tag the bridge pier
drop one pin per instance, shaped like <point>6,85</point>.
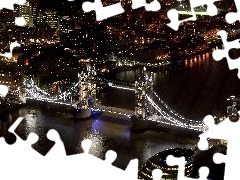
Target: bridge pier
<point>143,87</point>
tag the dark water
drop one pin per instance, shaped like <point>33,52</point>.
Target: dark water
<point>106,133</point>
<point>194,93</point>
<point>197,91</point>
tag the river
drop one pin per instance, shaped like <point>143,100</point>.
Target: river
<point>201,89</point>
<point>193,93</point>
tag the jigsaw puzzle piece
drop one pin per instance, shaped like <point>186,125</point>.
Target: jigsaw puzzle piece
<point>203,142</point>
<point>6,127</point>
<point>6,121</point>
<point>24,160</point>
<point>129,173</point>
<point>173,14</point>
<point>43,145</point>
<point>101,11</point>
<point>181,162</point>
<point>103,169</point>
<point>157,174</point>
<point>203,173</point>
<point>47,136</point>
<point>233,144</point>
<point>216,131</point>
<point>232,17</point>
<point>9,137</point>
<point>20,21</point>
<point>219,54</point>
<point>10,4</point>
<point>153,6</point>
<point>12,46</point>
<point>58,149</point>
<point>3,90</point>
<point>231,170</point>
<point>14,155</point>
<point>230,159</point>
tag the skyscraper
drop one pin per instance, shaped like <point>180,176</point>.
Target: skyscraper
<point>51,18</point>
<point>28,11</point>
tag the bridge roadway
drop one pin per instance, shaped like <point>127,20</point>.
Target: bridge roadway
<point>114,110</point>
<point>123,117</point>
<point>68,105</point>
<point>165,115</point>
<point>169,116</point>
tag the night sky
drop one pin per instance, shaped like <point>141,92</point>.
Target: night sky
<point>60,5</point>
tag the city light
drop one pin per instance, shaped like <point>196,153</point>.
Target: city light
<point>164,117</point>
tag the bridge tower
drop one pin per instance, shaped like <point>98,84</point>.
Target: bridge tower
<point>87,92</point>
<point>143,87</point>
<point>22,94</point>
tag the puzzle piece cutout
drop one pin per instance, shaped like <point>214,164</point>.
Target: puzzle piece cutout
<point>102,168</point>
<point>3,90</point>
<point>157,174</point>
<point>12,46</point>
<point>232,17</point>
<point>44,144</point>
<point>111,155</point>
<point>219,54</point>
<point>233,146</point>
<point>5,122</point>
<point>19,21</point>
<point>56,164</point>
<point>103,12</point>
<point>20,155</point>
<point>152,6</point>
<point>180,162</point>
<point>116,9</point>
<point>173,14</point>
<point>10,4</point>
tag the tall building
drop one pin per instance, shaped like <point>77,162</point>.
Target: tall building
<point>51,18</point>
<point>6,19</point>
<point>28,11</point>
<point>6,78</point>
<point>66,24</point>
<point>40,16</point>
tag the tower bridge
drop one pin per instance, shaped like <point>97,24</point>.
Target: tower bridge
<point>148,105</point>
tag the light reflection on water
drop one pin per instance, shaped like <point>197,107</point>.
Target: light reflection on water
<point>104,134</point>
<point>192,93</point>
<point>200,89</point>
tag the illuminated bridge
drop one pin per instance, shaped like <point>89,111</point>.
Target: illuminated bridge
<point>148,105</point>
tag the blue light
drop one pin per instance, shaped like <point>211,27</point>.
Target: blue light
<point>90,101</point>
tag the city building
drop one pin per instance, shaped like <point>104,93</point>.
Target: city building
<point>122,59</point>
<point>125,60</point>
<point>40,17</point>
<point>28,11</point>
<point>51,18</point>
<point>158,161</point>
<point>6,19</point>
<point>66,24</point>
<point>7,78</point>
